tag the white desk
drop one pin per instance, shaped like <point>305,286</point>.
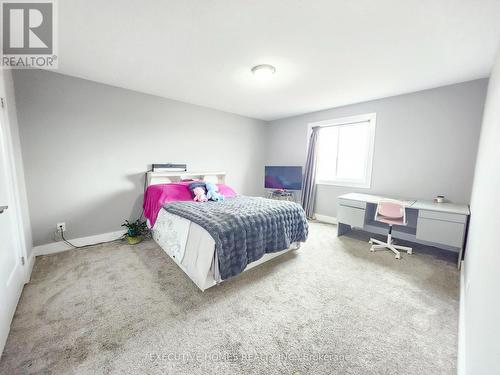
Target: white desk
<point>443,225</point>
<point>370,198</point>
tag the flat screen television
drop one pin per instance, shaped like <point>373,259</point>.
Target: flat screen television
<point>287,178</point>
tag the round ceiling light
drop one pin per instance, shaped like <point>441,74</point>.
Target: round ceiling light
<point>263,71</point>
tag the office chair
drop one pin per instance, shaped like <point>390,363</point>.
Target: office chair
<point>392,213</point>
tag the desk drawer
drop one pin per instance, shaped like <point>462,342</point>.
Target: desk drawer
<point>353,216</point>
<point>446,216</point>
<point>352,203</point>
<point>440,231</point>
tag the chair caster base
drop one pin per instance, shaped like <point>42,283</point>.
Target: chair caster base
<point>389,245</point>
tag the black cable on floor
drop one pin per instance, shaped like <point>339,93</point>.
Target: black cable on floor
<point>80,247</point>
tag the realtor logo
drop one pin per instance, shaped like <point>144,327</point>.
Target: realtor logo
<point>28,34</point>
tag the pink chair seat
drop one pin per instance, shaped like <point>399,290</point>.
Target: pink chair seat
<point>392,213</point>
<point>390,221</point>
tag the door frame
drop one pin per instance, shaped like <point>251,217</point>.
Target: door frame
<point>16,214</point>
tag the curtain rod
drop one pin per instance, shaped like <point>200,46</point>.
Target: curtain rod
<point>343,123</point>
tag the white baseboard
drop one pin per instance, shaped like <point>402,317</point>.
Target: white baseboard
<point>57,247</point>
<point>326,219</point>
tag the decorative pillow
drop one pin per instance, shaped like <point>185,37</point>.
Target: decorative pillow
<point>226,191</point>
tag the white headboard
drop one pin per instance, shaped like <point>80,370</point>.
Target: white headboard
<point>155,178</point>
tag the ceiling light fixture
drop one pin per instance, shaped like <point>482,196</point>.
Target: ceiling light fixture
<point>263,71</point>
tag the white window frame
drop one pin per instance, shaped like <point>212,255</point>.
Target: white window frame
<point>346,121</point>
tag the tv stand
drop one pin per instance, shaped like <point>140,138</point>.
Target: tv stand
<point>282,195</point>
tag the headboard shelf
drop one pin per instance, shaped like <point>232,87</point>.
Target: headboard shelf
<point>156,178</point>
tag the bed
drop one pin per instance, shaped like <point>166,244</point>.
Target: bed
<point>214,241</point>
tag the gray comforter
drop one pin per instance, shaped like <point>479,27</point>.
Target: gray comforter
<point>245,228</point>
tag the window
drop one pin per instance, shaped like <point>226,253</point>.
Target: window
<point>345,151</point>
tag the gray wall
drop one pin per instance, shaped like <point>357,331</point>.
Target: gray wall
<point>425,143</point>
<point>87,145</point>
<point>479,351</point>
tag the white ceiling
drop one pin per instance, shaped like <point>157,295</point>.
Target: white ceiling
<point>327,52</point>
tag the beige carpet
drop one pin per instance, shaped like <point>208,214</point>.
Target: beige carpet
<point>330,307</point>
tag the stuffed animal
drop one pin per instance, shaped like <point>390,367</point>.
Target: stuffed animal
<point>213,192</point>
<point>199,194</point>
<point>198,190</point>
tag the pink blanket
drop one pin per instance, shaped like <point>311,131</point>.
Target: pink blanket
<point>157,195</point>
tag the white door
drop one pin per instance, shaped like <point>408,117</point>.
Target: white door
<point>11,267</point>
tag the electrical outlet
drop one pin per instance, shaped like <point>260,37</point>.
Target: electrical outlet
<point>61,227</point>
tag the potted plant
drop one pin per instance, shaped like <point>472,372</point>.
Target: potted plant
<point>135,231</point>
